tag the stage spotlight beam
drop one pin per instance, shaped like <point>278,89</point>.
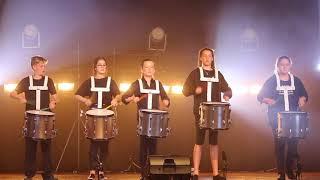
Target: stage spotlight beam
<point>176,89</point>
<point>124,87</point>
<point>66,86</point>
<point>9,87</point>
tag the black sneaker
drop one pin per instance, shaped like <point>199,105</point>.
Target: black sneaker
<point>218,177</point>
<point>49,177</point>
<point>91,177</point>
<point>101,176</point>
<point>195,177</point>
<point>291,175</point>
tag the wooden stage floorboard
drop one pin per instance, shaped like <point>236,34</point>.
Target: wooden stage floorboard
<point>134,176</point>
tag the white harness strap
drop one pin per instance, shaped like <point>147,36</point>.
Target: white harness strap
<point>150,92</point>
<point>100,90</point>
<point>209,81</point>
<point>38,90</point>
<point>285,90</point>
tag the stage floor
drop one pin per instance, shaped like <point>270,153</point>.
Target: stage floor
<point>134,176</point>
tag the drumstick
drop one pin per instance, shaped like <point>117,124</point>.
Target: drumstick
<point>44,109</point>
<point>108,106</point>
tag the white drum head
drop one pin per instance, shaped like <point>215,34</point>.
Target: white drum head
<point>292,112</point>
<point>216,103</point>
<point>100,112</point>
<point>39,112</point>
<point>153,111</point>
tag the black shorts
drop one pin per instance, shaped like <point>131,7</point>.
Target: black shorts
<point>201,133</point>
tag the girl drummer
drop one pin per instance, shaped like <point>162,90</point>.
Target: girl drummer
<point>98,92</point>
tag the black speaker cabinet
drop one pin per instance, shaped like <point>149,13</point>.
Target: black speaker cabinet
<point>169,167</point>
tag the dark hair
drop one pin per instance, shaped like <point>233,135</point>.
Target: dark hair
<point>200,53</point>
<point>37,59</point>
<point>145,60</point>
<point>279,59</point>
<point>95,62</point>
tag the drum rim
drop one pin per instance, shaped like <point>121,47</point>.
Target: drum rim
<point>153,111</point>
<point>39,112</point>
<point>92,110</point>
<point>292,112</point>
<point>215,103</point>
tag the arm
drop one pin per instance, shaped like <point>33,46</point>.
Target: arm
<point>303,95</point>
<point>265,94</point>
<point>18,93</point>
<point>131,94</point>
<point>189,86</point>
<point>84,100</point>
<point>82,92</point>
<point>226,90</point>
<point>53,94</point>
<point>14,94</point>
<point>115,93</point>
<point>164,97</point>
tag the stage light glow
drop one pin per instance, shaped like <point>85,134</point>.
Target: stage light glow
<point>124,87</point>
<point>66,86</point>
<point>166,88</point>
<point>9,87</point>
<point>176,89</point>
<point>318,67</point>
<point>157,34</point>
<point>254,89</point>
<point>240,89</point>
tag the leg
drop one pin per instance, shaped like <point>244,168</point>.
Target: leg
<point>214,155</point>
<point>214,151</point>
<point>197,149</point>
<point>103,150</point>
<point>143,154</point>
<point>93,156</point>
<point>47,160</point>
<point>292,155</point>
<point>30,157</point>
<point>280,144</point>
<point>152,146</point>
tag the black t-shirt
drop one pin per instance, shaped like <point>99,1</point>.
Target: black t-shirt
<point>193,81</point>
<point>30,95</point>
<point>85,91</point>
<point>143,103</point>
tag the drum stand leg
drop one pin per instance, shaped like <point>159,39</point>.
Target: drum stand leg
<point>65,146</point>
<point>132,166</point>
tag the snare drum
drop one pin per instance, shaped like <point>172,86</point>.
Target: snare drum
<point>214,115</point>
<point>39,125</point>
<point>292,124</point>
<point>100,124</point>
<point>153,123</point>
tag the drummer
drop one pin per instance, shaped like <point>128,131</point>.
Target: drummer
<point>283,92</point>
<point>37,92</point>
<point>99,91</point>
<point>148,93</point>
<point>206,84</point>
